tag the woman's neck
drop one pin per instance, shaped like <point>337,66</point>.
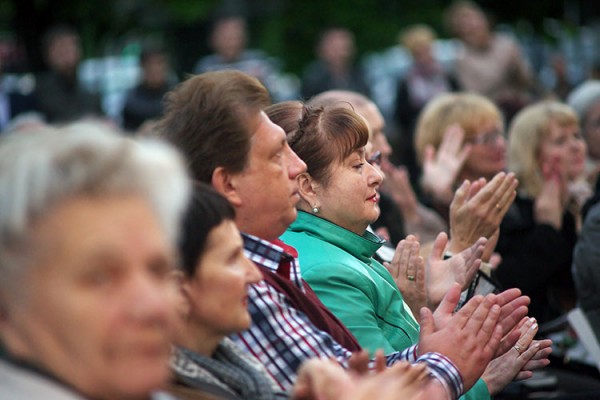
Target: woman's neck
<point>198,339</point>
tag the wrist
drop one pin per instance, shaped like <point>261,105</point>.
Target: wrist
<point>446,372</point>
<point>489,382</point>
<point>455,246</point>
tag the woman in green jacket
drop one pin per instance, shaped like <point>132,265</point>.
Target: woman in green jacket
<point>339,199</point>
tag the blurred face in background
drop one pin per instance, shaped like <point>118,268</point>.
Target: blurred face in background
<point>488,152</point>
<point>99,304</point>
<point>564,144</point>
<point>591,131</point>
<point>471,26</point>
<point>229,38</point>
<point>378,149</point>
<point>156,70</point>
<point>64,54</point>
<point>337,48</point>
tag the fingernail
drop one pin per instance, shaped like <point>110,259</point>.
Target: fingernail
<point>533,327</point>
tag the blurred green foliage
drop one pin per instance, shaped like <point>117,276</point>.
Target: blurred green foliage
<point>294,31</point>
<point>284,28</point>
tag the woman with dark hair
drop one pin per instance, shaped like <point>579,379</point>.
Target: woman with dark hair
<point>214,286</point>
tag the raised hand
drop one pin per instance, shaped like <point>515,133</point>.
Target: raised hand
<point>470,337</point>
<point>513,308</point>
<point>539,359</point>
<point>478,209</point>
<point>503,369</point>
<point>549,203</point>
<point>408,271</point>
<point>441,169</point>
<point>460,268</point>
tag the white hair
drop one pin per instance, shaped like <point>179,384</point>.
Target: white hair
<point>583,97</point>
<point>39,169</point>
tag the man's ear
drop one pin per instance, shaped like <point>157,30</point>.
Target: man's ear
<point>224,183</point>
<point>307,188</point>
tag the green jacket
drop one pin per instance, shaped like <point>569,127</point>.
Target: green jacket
<point>339,267</point>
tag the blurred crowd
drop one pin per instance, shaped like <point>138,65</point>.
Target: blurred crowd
<point>543,69</point>
<point>239,233</point>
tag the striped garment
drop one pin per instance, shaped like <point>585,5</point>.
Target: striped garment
<point>282,337</point>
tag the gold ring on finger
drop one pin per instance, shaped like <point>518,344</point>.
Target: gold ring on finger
<point>518,348</point>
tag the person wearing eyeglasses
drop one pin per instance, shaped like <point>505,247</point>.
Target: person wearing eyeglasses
<point>458,137</point>
<point>459,142</point>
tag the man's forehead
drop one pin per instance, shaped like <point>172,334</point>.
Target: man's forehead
<point>264,134</point>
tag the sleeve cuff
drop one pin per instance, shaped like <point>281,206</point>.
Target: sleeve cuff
<point>444,370</point>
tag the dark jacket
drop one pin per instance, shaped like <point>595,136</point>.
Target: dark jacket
<point>536,258</point>
<point>142,104</point>
<point>62,100</point>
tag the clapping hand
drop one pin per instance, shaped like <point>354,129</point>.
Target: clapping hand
<point>441,168</point>
<point>549,203</point>
<point>460,268</point>
<point>408,271</point>
<point>478,209</point>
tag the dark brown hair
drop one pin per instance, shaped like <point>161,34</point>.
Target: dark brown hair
<point>209,117</point>
<point>320,136</point>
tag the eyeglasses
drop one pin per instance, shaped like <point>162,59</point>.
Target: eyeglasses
<point>486,138</point>
<point>375,159</point>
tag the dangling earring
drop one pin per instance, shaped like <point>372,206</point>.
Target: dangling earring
<point>315,210</point>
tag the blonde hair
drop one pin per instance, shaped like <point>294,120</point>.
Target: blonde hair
<point>470,111</point>
<point>415,36</point>
<point>528,130</point>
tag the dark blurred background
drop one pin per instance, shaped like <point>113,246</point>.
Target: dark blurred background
<point>113,33</point>
<point>283,28</point>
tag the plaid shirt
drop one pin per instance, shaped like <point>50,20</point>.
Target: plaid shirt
<point>282,337</point>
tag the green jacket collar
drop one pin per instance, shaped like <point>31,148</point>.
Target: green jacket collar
<point>362,247</point>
